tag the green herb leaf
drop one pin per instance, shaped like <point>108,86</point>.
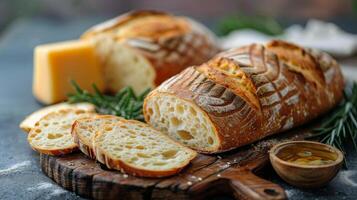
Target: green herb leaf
<point>124,104</point>
<point>262,24</point>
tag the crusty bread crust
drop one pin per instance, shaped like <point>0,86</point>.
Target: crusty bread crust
<point>103,157</point>
<point>158,29</point>
<point>169,43</point>
<point>68,150</point>
<point>85,145</point>
<point>288,87</point>
<point>132,170</point>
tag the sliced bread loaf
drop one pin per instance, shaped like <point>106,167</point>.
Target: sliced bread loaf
<point>83,131</point>
<point>135,148</point>
<point>52,134</point>
<point>143,48</point>
<point>29,122</point>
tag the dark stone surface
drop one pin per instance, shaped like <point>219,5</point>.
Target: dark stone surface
<point>20,175</point>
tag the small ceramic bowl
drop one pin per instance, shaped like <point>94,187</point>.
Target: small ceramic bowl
<point>306,176</point>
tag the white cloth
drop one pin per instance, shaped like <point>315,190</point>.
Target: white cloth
<point>316,34</point>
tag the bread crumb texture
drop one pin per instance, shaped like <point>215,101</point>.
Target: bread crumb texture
<point>142,148</point>
<point>84,130</point>
<point>52,134</point>
<point>181,120</point>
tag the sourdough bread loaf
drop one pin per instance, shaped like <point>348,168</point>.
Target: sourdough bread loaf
<point>137,149</point>
<point>245,94</point>
<point>144,48</point>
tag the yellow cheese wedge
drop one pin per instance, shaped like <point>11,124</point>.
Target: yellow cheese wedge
<point>55,65</point>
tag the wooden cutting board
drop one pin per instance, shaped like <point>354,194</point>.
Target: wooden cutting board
<point>231,173</point>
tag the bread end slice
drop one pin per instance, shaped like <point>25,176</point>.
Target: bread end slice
<point>52,134</point>
<point>137,149</point>
<point>84,129</point>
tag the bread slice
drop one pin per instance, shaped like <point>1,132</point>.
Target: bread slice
<point>52,134</point>
<point>29,122</point>
<point>135,148</point>
<point>83,131</point>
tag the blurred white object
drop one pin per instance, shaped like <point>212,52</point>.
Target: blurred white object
<point>349,72</point>
<point>243,37</point>
<point>317,34</point>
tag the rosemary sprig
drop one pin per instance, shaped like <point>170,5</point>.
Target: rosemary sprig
<point>124,104</point>
<point>262,24</point>
<point>341,126</point>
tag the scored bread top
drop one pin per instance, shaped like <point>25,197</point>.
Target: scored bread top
<point>153,24</point>
<point>52,134</point>
<point>84,130</point>
<point>136,148</point>
<point>257,90</point>
<point>29,122</point>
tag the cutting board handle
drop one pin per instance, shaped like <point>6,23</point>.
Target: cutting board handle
<point>246,185</point>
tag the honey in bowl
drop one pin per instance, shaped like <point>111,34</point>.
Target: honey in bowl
<point>306,164</point>
<point>304,154</point>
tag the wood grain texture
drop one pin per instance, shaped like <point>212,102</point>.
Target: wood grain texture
<point>231,173</point>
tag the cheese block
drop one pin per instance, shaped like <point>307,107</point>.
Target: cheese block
<point>55,65</point>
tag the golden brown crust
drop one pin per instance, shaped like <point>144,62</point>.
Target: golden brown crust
<point>287,98</point>
<point>225,72</point>
<point>299,60</point>
<point>124,168</point>
<point>154,24</point>
<point>168,42</point>
<point>56,152</point>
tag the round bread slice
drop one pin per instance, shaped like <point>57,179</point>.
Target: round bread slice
<point>52,134</point>
<point>83,131</point>
<point>29,122</point>
<point>137,149</point>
